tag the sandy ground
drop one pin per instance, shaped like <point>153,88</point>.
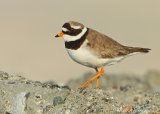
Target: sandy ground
<point>123,93</point>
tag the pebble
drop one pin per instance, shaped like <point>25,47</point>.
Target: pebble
<point>57,100</point>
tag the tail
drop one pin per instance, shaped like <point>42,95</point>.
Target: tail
<point>137,49</point>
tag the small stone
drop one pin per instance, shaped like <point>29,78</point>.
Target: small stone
<point>57,100</point>
<point>98,110</point>
<point>66,87</point>
<point>11,82</point>
<point>147,101</point>
<point>127,109</point>
<point>136,112</point>
<point>47,108</point>
<point>50,84</point>
<point>135,99</point>
<point>106,99</point>
<point>38,96</point>
<point>124,88</point>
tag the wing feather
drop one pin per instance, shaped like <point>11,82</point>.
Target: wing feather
<point>104,46</point>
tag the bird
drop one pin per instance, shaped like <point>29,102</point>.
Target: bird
<point>93,49</point>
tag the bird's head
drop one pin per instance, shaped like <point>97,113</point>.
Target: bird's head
<point>72,31</point>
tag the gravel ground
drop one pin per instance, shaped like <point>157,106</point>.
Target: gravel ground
<point>121,93</point>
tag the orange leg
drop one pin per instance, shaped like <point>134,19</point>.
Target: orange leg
<point>97,83</point>
<point>96,77</point>
<point>97,80</point>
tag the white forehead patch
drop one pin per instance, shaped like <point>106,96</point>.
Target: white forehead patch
<point>64,29</point>
<point>76,27</point>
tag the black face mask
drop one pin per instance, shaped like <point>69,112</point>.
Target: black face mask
<point>71,31</point>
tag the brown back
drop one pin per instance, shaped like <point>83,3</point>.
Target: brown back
<point>104,46</point>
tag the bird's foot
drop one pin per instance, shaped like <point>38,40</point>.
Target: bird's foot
<point>96,77</point>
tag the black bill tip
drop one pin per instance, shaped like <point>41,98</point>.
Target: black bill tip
<point>57,35</point>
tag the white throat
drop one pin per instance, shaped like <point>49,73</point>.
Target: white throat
<point>73,38</point>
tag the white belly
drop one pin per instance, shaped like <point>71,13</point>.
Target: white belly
<point>85,57</point>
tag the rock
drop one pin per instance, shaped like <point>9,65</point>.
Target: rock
<point>19,103</point>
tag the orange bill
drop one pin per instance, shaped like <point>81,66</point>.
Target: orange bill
<point>59,34</point>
